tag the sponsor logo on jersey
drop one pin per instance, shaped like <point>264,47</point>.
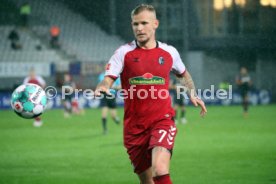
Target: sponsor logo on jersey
<point>147,79</point>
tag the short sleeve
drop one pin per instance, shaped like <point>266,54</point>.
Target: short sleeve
<point>41,81</point>
<point>26,80</point>
<point>114,66</point>
<point>178,66</point>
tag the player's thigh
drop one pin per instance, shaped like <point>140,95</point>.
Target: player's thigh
<point>160,161</point>
<point>104,111</point>
<point>244,95</point>
<point>162,143</point>
<point>113,112</point>
<point>138,150</point>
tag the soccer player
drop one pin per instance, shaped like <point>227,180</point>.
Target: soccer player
<point>38,80</point>
<point>109,102</point>
<point>244,83</point>
<point>77,107</point>
<point>144,66</point>
<point>178,101</point>
<point>67,101</point>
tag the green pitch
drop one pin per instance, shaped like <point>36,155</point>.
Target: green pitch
<point>222,148</point>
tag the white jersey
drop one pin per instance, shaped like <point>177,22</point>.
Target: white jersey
<point>35,80</point>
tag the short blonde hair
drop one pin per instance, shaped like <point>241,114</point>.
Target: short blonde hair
<point>142,7</point>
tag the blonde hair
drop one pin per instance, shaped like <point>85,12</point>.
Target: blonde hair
<point>142,7</point>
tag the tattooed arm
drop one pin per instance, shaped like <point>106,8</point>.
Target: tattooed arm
<point>187,81</point>
<point>104,86</point>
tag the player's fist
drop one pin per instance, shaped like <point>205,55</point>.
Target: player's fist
<point>104,87</point>
<point>102,90</point>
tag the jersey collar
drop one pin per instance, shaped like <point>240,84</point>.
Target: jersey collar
<point>157,44</point>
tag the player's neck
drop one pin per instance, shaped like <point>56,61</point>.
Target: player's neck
<point>148,45</point>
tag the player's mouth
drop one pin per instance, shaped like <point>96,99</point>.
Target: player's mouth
<point>141,34</point>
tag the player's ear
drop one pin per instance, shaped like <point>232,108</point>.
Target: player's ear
<point>156,23</point>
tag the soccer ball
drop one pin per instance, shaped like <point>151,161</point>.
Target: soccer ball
<point>28,100</point>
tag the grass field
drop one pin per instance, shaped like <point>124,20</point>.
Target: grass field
<point>222,148</point>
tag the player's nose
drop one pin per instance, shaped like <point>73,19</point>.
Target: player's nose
<point>139,27</point>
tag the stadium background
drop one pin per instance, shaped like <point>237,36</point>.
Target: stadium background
<point>214,37</point>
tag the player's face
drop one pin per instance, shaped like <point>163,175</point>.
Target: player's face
<point>67,78</point>
<point>243,71</point>
<point>32,74</point>
<point>144,25</point>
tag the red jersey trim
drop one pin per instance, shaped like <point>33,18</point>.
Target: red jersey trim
<point>112,76</point>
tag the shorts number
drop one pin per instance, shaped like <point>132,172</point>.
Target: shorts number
<point>163,132</point>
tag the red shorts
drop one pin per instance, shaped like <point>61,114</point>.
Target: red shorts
<point>139,146</point>
<point>75,103</point>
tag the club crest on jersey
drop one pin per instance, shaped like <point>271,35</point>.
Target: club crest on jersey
<point>147,79</point>
<point>161,60</point>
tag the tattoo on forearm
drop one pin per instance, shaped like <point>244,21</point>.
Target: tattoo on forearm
<point>104,83</point>
<point>188,82</point>
<point>159,148</point>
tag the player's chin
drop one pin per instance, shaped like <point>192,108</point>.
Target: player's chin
<point>141,39</point>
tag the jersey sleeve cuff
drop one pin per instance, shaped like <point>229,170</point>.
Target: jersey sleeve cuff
<point>112,76</point>
<point>181,74</point>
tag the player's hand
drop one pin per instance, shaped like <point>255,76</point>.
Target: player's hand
<point>197,101</point>
<point>102,90</point>
<point>104,87</point>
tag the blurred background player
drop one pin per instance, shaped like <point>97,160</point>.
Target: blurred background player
<point>244,83</point>
<point>178,101</point>
<point>77,107</point>
<point>14,38</point>
<point>109,102</point>
<point>67,101</point>
<point>38,80</point>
